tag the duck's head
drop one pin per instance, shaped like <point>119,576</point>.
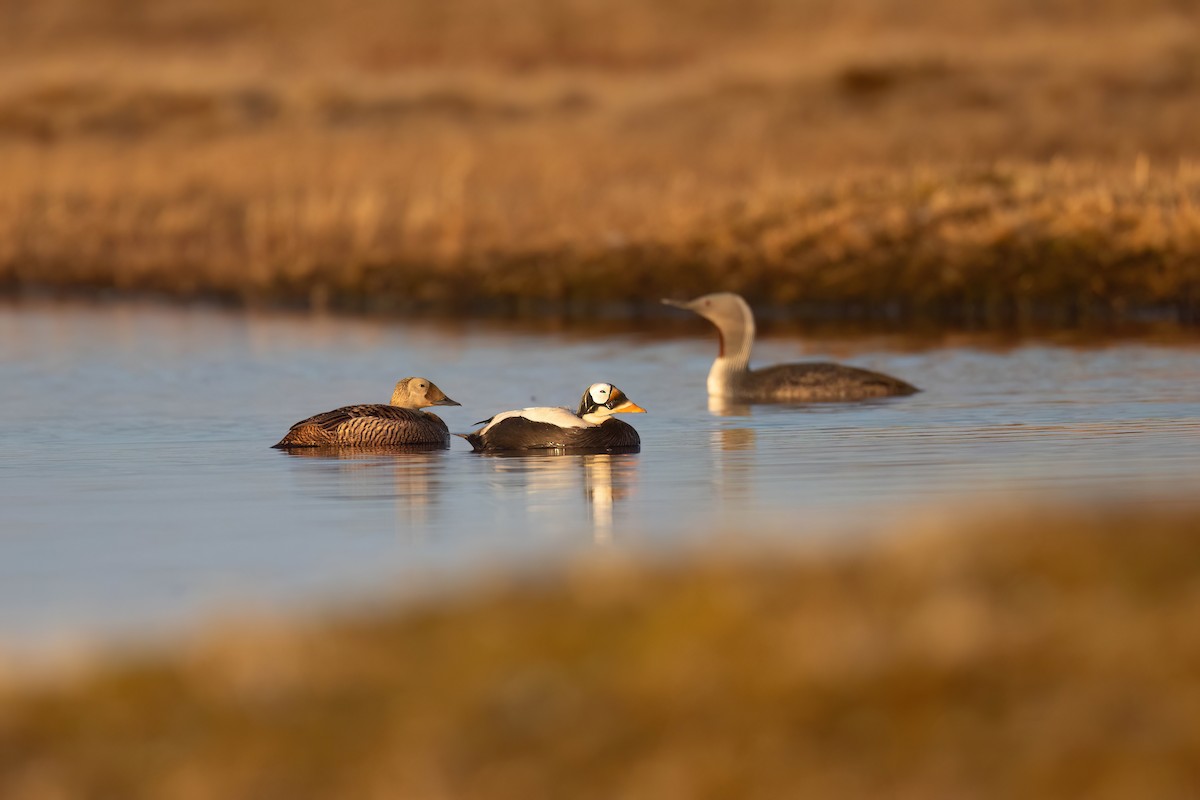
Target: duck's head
<point>728,311</point>
<point>419,393</point>
<point>602,400</point>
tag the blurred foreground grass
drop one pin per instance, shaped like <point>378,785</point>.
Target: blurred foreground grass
<point>1032,656</point>
<point>987,162</point>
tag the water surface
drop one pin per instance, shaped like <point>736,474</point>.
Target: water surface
<point>138,490</point>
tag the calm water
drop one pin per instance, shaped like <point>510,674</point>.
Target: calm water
<point>138,490</point>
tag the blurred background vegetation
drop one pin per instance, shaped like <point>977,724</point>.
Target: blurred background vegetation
<point>989,163</point>
<point>1030,655</point>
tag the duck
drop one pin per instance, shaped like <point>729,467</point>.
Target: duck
<point>731,379</point>
<point>591,428</point>
<point>400,422</point>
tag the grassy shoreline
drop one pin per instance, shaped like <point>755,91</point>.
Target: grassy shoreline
<point>925,163</point>
<point>1036,654</point>
<point>999,248</point>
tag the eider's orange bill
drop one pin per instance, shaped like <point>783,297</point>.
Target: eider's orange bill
<point>629,407</point>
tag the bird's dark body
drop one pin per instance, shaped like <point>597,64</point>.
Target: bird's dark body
<point>816,382</point>
<point>518,433</point>
<point>368,425</point>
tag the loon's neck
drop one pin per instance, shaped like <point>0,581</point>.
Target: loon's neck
<point>733,360</point>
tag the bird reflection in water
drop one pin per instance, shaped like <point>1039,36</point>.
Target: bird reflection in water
<point>733,455</point>
<point>409,475</point>
<point>547,478</point>
<point>723,407</point>
<point>605,481</point>
<point>732,477</point>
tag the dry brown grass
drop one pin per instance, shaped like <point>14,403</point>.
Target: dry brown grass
<point>1033,656</point>
<point>984,161</point>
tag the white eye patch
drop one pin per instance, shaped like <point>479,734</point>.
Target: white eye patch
<point>599,393</point>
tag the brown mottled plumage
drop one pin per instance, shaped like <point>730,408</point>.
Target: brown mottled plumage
<point>377,425</point>
<point>592,428</point>
<point>732,379</point>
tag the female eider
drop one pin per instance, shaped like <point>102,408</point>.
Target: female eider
<point>377,425</point>
<point>592,428</point>
<point>732,379</point>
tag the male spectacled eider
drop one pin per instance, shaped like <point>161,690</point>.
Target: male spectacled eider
<point>591,428</point>
<point>732,379</point>
<point>378,425</point>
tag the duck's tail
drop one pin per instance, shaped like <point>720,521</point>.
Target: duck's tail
<point>475,440</point>
<point>295,438</point>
